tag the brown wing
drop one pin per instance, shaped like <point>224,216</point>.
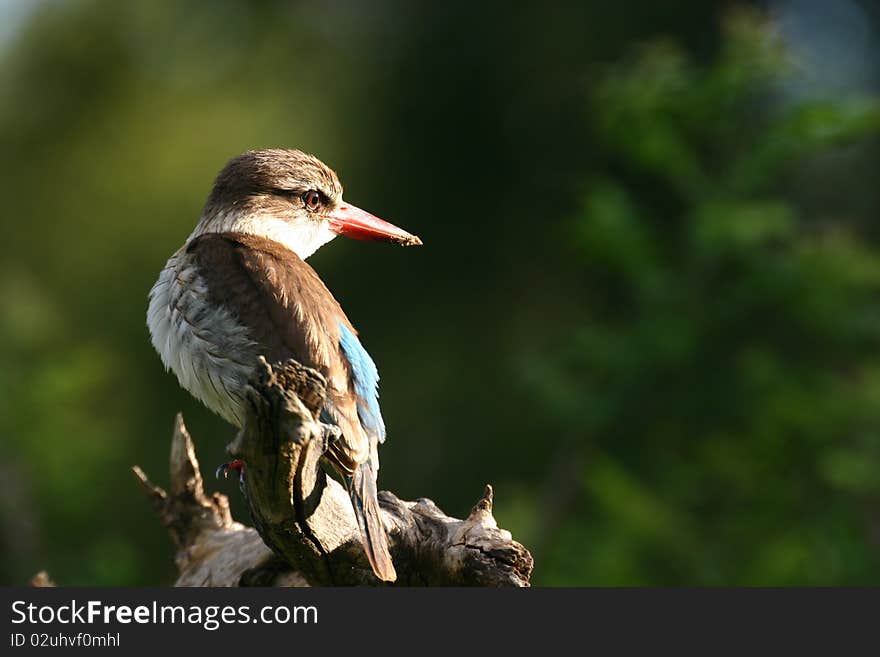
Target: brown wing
<point>290,313</point>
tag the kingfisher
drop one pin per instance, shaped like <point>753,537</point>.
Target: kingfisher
<point>240,288</point>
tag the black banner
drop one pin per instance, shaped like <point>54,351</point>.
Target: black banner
<point>388,621</point>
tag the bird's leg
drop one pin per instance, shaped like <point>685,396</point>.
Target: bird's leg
<point>235,464</point>
<point>330,433</point>
<point>233,449</point>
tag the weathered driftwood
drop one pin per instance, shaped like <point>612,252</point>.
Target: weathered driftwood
<point>41,580</point>
<point>305,516</point>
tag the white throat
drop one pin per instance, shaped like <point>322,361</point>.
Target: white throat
<point>302,239</point>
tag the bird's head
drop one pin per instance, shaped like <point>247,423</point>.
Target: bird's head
<point>292,198</point>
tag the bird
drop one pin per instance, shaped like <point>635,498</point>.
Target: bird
<point>240,288</point>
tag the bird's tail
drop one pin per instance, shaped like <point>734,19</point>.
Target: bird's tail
<point>362,488</point>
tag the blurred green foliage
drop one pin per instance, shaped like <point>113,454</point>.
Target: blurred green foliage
<point>724,361</point>
<point>646,308</point>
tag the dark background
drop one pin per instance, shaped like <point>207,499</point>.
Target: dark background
<point>646,310</point>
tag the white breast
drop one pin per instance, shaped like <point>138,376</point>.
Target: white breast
<point>205,346</point>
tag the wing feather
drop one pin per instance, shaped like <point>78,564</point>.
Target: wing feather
<point>290,313</point>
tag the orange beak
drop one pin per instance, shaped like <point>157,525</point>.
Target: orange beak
<point>350,221</point>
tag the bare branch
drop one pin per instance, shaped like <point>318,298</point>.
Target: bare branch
<point>305,516</point>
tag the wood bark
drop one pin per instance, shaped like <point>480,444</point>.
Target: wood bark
<point>304,530</point>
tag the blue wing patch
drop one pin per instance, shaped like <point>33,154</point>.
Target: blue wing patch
<point>366,382</point>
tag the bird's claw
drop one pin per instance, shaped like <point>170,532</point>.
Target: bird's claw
<point>224,468</point>
<point>331,433</point>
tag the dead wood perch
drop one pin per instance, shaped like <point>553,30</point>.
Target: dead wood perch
<point>305,516</point>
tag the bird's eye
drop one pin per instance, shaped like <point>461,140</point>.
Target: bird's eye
<point>312,200</point>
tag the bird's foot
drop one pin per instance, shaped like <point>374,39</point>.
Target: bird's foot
<point>224,468</point>
<point>330,433</point>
